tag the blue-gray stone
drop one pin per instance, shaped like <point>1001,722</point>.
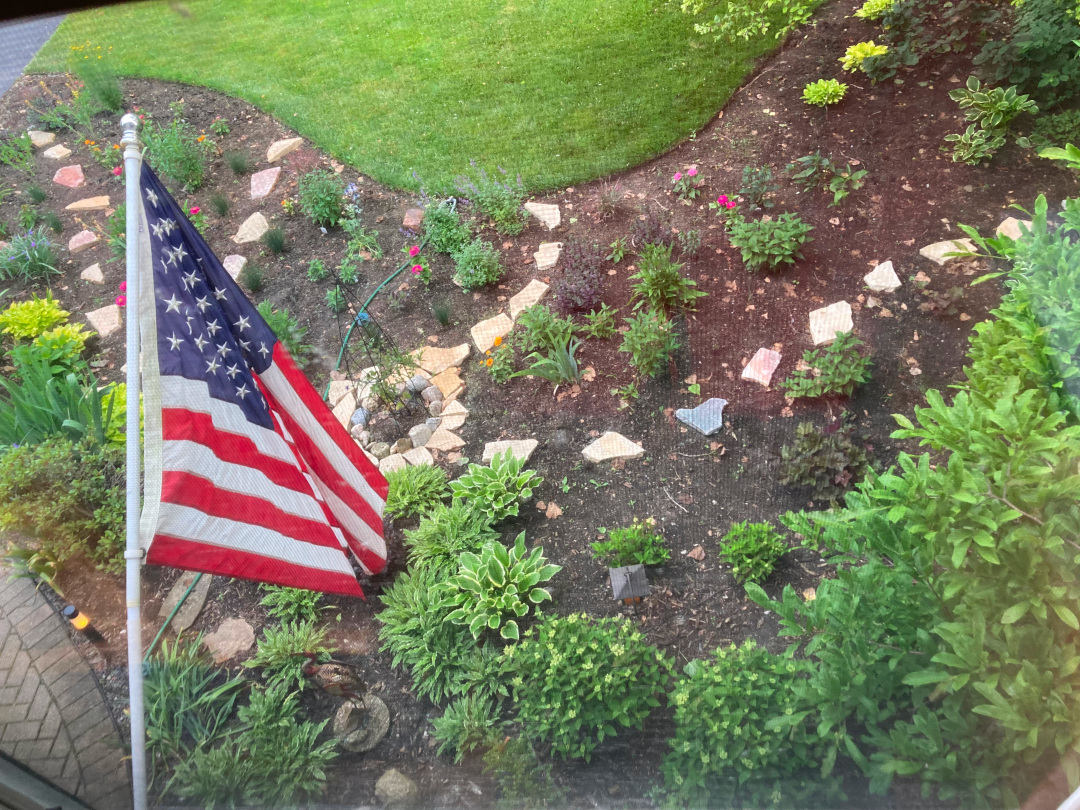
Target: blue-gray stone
<point>707,418</point>
<point>433,422</point>
<point>416,384</point>
<point>360,416</point>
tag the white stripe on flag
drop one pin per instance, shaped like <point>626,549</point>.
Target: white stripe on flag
<point>350,521</point>
<point>151,384</point>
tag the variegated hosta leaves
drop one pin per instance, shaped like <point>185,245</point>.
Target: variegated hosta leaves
<point>498,489</point>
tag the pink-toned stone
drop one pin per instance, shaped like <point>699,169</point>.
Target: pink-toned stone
<point>234,263</point>
<point>762,366</point>
<point>262,183</point>
<point>414,218</point>
<point>106,320</point>
<point>81,241</point>
<point>70,176</point>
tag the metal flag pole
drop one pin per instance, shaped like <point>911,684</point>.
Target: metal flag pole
<point>133,553</point>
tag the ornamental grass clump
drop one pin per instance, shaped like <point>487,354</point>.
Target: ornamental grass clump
<point>415,490</point>
<point>444,533</point>
<point>577,680</point>
<point>468,723</point>
<point>28,257</point>
<point>282,652</point>
<point>837,369</point>
<point>498,489</point>
<point>494,588</point>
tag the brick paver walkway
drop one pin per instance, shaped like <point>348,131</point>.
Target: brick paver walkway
<point>53,718</point>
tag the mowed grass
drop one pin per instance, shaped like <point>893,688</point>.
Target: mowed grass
<point>560,91</point>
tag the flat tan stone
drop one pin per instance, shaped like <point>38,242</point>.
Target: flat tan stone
<point>519,448</point>
<point>89,204</point>
<point>262,183</point>
<point>58,152</point>
<point>444,441</point>
<point>1010,227</point>
<point>762,366</point>
<point>233,264</point>
<point>93,274</point>
<point>454,416</point>
<point>233,637</point>
<point>612,446</point>
<point>39,138</point>
<point>547,256</point>
<point>252,229</point>
<point>548,214</point>
<point>418,457</point>
<point>106,320</point>
<point>485,332</point>
<point>434,360</point>
<point>344,409</point>
<point>882,278</point>
<point>338,389</point>
<point>534,291</point>
<point>279,149</point>
<point>827,321</point>
<point>393,463</point>
<point>449,382</point>
<point>936,252</point>
<point>82,241</point>
<point>70,176</point>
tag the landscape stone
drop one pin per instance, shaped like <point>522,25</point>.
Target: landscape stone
<point>343,411</point>
<point>706,418</point>
<point>58,152</point>
<point>449,382</point>
<point>431,395</point>
<point>417,383</point>
<point>444,441</point>
<point>401,446</point>
<point>612,446</point>
<point>396,789</point>
<point>234,263</point>
<point>1010,227</point>
<point>419,457</point>
<point>359,728</point>
<point>338,389</point>
<point>81,241</point>
<point>93,274</point>
<point>519,448</point>
<point>279,149</point>
<point>39,138</point>
<point>936,252</point>
<point>106,320</point>
<point>435,407</point>
<point>70,176</point>
<point>420,435</point>
<point>262,183</point>
<point>531,295</point>
<point>89,204</point>
<point>827,321</point>
<point>548,255</point>
<point>761,366</point>
<point>252,229</point>
<point>186,616</point>
<point>380,450</point>
<point>485,332</point>
<point>433,422</point>
<point>434,360</point>
<point>360,416</point>
<point>548,214</point>
<point>392,463</point>
<point>414,218</point>
<point>882,278</point>
<point>454,415</point>
<point>361,434</point>
<point>233,637</point>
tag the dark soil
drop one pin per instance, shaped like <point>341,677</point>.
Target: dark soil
<point>694,487</point>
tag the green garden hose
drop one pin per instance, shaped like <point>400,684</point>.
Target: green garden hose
<point>175,610</point>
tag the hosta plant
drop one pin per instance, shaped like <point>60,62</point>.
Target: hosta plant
<point>498,489</point>
<point>824,92</point>
<point>873,9</point>
<point>837,369</point>
<point>26,320</point>
<point>856,54</point>
<point>769,243</point>
<point>495,587</point>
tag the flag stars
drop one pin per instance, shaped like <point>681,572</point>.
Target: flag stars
<point>179,253</point>
<point>263,350</point>
<point>172,304</point>
<point>200,341</point>
<point>245,345</point>
<point>158,230</point>
<point>174,342</point>
<point>190,279</point>
<point>243,323</point>
<point>243,391</point>
<point>219,294</point>
<point>232,371</point>
<point>168,225</point>
<point>203,303</point>
<point>223,349</point>
<point>152,196</point>
<point>213,365</point>
<point>213,327</point>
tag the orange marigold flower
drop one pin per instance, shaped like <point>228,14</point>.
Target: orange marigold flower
<point>86,142</point>
<point>498,341</point>
<point>201,138</point>
<point>490,360</point>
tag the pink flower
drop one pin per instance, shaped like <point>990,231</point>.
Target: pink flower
<point>195,210</point>
<point>722,199</point>
<point>417,268</point>
<point>117,171</point>
<point>729,204</point>
<point>121,300</point>
<point>414,251</point>
<point>677,177</point>
<point>123,286</point>
<point>692,172</point>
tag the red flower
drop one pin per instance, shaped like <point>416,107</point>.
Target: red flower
<point>414,251</point>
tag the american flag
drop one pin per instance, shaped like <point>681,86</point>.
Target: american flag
<point>247,472</point>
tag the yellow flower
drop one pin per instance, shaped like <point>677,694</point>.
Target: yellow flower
<point>489,361</point>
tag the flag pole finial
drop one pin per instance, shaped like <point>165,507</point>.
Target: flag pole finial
<point>129,125</point>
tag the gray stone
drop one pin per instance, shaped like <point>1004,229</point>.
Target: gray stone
<point>360,416</point>
<point>432,394</point>
<point>193,605</point>
<point>396,789</point>
<point>233,637</point>
<point>401,446</point>
<point>433,422</point>
<point>360,727</point>
<point>380,450</point>
<point>362,436</point>
<point>435,408</point>
<point>416,384</point>
<point>706,418</point>
<point>371,402</point>
<point>419,435</point>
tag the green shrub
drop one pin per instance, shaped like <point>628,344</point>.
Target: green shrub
<point>769,244</point>
<point>415,490</point>
<point>500,199</point>
<point>17,151</point>
<point>176,152</point>
<point>442,312</point>
<point>494,588</point>
<point>757,185</point>
<point>839,368</point>
<point>322,197</point>
<point>335,300</point>
<point>348,272</point>
<point>991,108</point>
<point>100,82</point>
<point>281,652</point>
<point>27,320</point>
<point>240,162</point>
<point>444,533</point>
<point>874,9</point>
<point>69,496</point>
<point>442,657</point>
<point>220,127</point>
<point>650,341</point>
<point>274,239</point>
<point>288,330</point>
<point>444,230</point>
<point>660,285</point>
<point>28,257</point>
<point>317,271</point>
<point>34,564</point>
<point>540,328</point>
<point>36,194</point>
<point>59,348</point>
<point>726,739</point>
<point>468,723</point>
<point>600,323</point>
<point>1057,129</point>
<point>252,277</point>
<point>220,203</point>
<point>290,604</point>
<point>729,20</point>
<point>752,550</point>
<point>857,54</point>
<point>524,781</point>
<point>829,462</point>
<point>478,265</point>
<point>498,489</point>
<point>638,543</point>
<point>576,680</point>
<point>500,361</point>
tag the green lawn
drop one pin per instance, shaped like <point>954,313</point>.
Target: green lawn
<point>559,90</point>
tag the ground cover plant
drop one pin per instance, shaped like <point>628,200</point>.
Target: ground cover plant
<point>837,369</point>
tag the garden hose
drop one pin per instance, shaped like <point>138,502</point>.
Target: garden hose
<point>175,610</point>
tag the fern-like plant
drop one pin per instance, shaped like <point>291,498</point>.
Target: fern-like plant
<point>415,490</point>
<point>446,532</point>
<point>282,651</point>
